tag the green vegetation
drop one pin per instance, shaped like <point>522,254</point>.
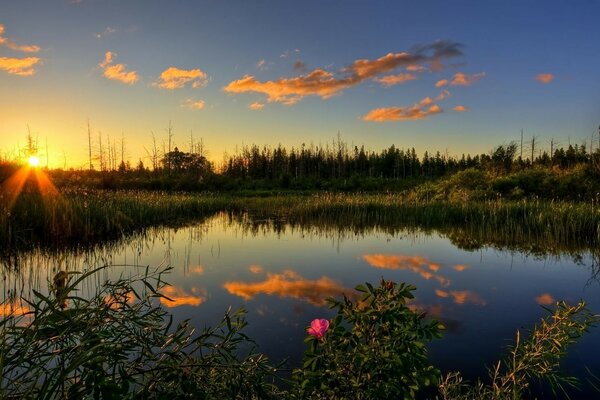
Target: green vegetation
<point>121,344</point>
<point>80,217</point>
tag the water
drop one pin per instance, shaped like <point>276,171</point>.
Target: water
<point>281,274</point>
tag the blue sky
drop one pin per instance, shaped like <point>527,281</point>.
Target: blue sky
<point>299,60</point>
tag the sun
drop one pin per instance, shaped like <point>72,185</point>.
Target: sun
<point>33,161</point>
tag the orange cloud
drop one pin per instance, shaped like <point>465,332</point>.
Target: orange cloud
<point>460,79</point>
<point>193,104</point>
<point>545,299</point>
<point>417,264</point>
<point>19,66</point>
<point>289,284</point>
<point>460,268</point>
<point>420,110</point>
<point>460,109</point>
<point>117,72</point>
<point>391,80</point>
<point>414,112</point>
<point>257,105</point>
<point>462,296</point>
<point>179,297</point>
<point>325,84</point>
<point>441,83</point>
<point>13,46</point>
<point>175,78</point>
<point>544,78</point>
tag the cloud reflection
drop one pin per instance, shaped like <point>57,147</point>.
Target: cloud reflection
<point>179,297</point>
<point>289,284</point>
<point>461,296</point>
<point>545,299</point>
<point>417,264</point>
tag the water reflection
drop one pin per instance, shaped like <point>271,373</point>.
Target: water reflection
<point>417,264</point>
<point>177,296</point>
<point>461,296</point>
<point>545,299</point>
<point>289,284</point>
<point>232,259</point>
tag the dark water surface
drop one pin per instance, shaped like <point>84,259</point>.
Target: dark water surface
<point>282,274</point>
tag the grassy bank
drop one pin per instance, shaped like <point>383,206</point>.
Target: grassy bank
<point>83,217</point>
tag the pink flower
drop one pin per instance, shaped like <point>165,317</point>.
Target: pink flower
<point>318,327</point>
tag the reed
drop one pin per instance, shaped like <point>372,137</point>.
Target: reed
<point>83,217</point>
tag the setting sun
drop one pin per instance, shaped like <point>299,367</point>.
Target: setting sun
<point>33,161</point>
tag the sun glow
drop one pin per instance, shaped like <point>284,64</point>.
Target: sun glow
<point>33,161</point>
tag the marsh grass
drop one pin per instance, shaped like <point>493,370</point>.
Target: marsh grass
<point>82,217</point>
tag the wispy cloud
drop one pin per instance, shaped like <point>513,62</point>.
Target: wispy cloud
<point>544,78</point>
<point>420,110</point>
<point>117,72</point>
<point>31,48</point>
<point>460,79</point>
<point>391,80</point>
<point>19,66</point>
<point>460,109</point>
<point>288,53</point>
<point>261,64</point>
<point>108,31</point>
<point>325,84</point>
<point>193,104</point>
<point>257,105</point>
<point>176,78</point>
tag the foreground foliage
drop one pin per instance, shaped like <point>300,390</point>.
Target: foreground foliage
<point>122,344</point>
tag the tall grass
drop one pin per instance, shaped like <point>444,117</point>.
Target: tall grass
<point>83,217</point>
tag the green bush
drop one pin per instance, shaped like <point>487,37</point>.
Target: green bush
<point>373,349</point>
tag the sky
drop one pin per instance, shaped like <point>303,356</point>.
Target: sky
<point>454,76</point>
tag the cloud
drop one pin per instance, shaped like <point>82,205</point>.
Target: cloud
<point>179,297</point>
<point>175,78</point>
<point>460,267</point>
<point>108,31</point>
<point>326,84</point>
<point>545,299</point>
<point>289,284</point>
<point>544,78</point>
<point>261,64</point>
<point>462,296</point>
<point>257,105</point>
<point>117,72</point>
<point>193,104</point>
<point>460,79</point>
<point>13,46</point>
<point>460,109</point>
<point>417,264</point>
<point>421,110</point>
<point>19,66</point>
<point>391,80</point>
